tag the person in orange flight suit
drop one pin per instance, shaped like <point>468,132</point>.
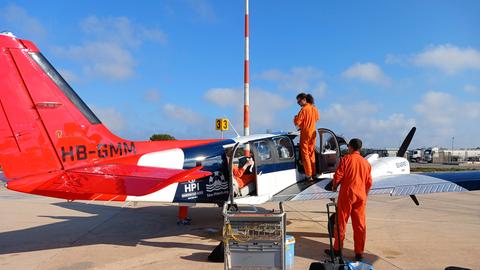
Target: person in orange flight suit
<point>354,176</point>
<point>238,173</point>
<point>306,120</point>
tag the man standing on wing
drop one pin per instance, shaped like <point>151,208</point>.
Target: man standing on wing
<point>306,121</point>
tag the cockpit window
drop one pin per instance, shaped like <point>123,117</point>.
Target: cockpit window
<point>264,151</point>
<point>284,147</point>
<point>64,86</point>
<point>329,143</point>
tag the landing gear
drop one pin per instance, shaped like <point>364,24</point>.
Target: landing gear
<point>183,218</point>
<point>185,221</point>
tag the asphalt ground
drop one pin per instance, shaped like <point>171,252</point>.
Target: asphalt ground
<point>45,233</point>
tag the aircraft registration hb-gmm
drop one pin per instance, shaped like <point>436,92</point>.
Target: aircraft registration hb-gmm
<point>53,145</point>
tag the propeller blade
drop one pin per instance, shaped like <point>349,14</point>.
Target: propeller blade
<point>403,148</point>
<point>415,200</point>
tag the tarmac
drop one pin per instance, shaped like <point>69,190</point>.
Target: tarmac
<point>45,233</point>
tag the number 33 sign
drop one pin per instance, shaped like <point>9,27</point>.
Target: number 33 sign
<point>221,124</point>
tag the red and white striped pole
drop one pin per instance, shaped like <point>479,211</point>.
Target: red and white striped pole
<point>246,80</point>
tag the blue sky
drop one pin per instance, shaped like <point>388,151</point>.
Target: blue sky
<point>376,68</point>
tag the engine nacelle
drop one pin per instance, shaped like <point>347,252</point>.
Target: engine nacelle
<point>388,165</point>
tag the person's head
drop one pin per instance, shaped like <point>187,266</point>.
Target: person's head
<point>354,145</point>
<point>309,99</point>
<point>302,99</point>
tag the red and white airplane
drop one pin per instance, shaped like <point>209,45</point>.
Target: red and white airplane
<point>51,144</point>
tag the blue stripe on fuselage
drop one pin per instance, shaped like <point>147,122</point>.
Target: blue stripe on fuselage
<point>276,167</point>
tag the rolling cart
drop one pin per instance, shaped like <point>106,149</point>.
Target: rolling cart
<point>254,238</point>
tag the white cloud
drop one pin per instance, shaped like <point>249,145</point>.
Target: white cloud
<point>224,97</point>
<point>472,89</point>
<point>18,19</point>
<point>448,58</point>
<point>362,120</point>
<point>297,79</point>
<point>264,106</point>
<point>203,9</point>
<point>319,90</point>
<point>121,30</point>
<point>182,114</point>
<point>441,116</point>
<point>107,52</point>
<point>68,75</point>
<point>394,59</point>
<point>101,59</point>
<point>368,72</point>
<point>111,118</point>
<point>437,108</point>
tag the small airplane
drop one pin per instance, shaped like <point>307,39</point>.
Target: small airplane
<point>52,144</point>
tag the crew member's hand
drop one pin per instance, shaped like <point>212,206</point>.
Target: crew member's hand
<point>250,162</point>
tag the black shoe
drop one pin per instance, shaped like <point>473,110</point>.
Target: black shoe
<point>184,222</point>
<point>358,257</point>
<point>335,253</point>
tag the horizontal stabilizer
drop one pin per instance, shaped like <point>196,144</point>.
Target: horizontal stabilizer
<point>112,179</point>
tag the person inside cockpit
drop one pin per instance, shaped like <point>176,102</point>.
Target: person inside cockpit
<point>243,172</point>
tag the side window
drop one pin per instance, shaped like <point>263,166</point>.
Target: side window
<point>343,150</point>
<point>212,163</point>
<point>284,147</point>
<point>239,157</point>
<point>264,151</point>
<point>329,145</point>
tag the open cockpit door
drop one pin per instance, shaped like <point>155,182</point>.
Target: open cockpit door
<point>328,151</point>
<point>243,177</point>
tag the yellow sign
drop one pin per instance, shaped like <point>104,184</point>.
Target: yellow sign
<point>221,124</point>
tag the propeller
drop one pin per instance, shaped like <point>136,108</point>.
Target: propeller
<point>403,148</point>
<point>401,152</point>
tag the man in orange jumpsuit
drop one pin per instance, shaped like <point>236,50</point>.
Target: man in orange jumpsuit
<point>354,176</point>
<point>306,120</point>
<point>239,174</point>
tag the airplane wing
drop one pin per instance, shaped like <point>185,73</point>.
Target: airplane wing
<point>115,179</point>
<point>395,185</point>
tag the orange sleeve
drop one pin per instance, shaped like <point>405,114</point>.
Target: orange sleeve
<point>339,173</point>
<point>368,182</point>
<point>298,119</point>
<point>238,172</point>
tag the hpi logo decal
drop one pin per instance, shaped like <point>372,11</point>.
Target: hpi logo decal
<point>191,190</point>
<point>217,182</point>
<point>191,187</point>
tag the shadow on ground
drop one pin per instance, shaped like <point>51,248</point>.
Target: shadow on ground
<point>113,225</point>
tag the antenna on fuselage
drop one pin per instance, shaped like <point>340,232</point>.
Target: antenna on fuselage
<point>233,127</point>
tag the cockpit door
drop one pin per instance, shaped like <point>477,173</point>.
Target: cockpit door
<point>265,165</point>
<point>328,151</point>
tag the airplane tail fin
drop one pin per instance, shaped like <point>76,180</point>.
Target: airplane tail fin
<point>44,125</point>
